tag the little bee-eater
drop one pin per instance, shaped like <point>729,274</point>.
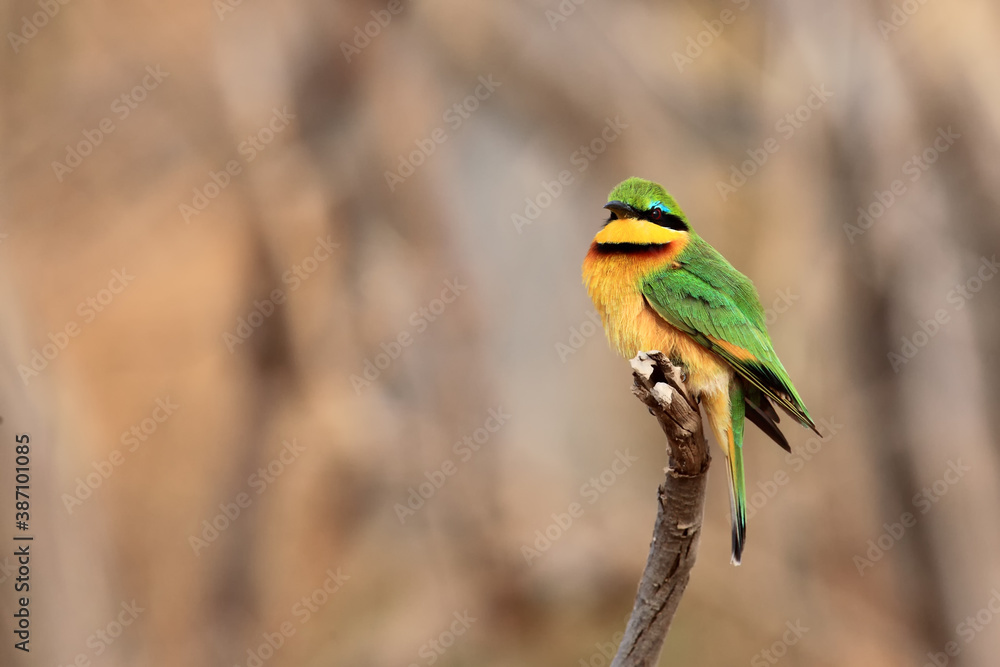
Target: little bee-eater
<point>659,286</point>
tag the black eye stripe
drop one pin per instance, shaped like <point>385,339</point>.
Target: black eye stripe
<point>668,220</point>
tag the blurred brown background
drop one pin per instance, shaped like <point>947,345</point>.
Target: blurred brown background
<point>228,159</point>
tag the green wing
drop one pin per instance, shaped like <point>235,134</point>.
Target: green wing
<point>715,304</point>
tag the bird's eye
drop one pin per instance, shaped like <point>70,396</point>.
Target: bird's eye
<point>665,218</point>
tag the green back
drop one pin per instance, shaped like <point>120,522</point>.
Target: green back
<point>709,299</point>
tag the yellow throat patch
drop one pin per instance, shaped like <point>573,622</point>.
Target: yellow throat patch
<point>639,232</point>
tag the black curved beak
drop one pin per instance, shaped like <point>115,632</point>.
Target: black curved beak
<point>622,210</point>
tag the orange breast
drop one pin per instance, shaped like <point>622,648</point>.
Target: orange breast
<point>614,282</point>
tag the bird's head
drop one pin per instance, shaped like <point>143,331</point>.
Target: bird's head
<point>642,214</point>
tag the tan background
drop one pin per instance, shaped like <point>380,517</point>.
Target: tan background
<point>848,302</point>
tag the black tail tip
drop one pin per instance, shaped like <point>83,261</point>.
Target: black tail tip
<point>739,541</point>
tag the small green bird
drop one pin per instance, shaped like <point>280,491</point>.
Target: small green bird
<point>659,286</point>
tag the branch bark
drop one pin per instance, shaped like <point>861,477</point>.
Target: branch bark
<point>681,504</point>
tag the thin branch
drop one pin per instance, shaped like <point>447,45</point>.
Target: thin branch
<point>681,503</point>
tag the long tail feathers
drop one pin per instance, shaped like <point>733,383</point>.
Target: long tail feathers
<point>737,484</point>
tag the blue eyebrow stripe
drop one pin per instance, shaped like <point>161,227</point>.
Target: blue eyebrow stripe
<point>660,206</point>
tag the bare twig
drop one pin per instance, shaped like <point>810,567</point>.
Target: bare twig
<point>660,385</point>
